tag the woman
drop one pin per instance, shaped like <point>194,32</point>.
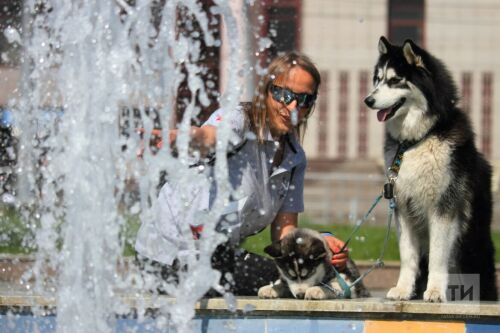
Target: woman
<point>266,170</point>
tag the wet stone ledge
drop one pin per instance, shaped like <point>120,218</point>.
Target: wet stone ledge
<point>365,308</point>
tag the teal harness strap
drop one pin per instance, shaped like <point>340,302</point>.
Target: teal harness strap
<point>346,288</point>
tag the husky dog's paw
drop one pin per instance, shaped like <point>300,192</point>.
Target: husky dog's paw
<point>268,292</point>
<point>399,294</point>
<point>435,295</point>
<point>315,293</point>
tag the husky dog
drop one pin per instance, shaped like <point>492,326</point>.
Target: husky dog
<point>441,183</point>
<point>303,260</point>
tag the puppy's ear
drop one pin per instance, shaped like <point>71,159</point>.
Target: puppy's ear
<point>410,51</point>
<point>274,250</point>
<point>383,45</point>
<point>318,250</point>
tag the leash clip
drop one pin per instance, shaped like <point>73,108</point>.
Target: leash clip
<point>389,187</point>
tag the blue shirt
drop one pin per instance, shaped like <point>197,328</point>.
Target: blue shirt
<point>259,193</point>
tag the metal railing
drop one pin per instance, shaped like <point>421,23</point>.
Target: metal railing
<point>345,197</point>
<point>342,197</point>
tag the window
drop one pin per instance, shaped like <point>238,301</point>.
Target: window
<point>362,116</point>
<point>343,108</point>
<point>406,21</point>
<point>282,30</point>
<point>322,106</point>
<point>278,20</point>
<point>466,91</point>
<point>486,121</point>
<point>208,61</point>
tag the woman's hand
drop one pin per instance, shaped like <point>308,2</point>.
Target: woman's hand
<point>339,259</point>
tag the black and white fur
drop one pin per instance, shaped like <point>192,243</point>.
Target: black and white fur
<point>443,189</point>
<point>303,260</point>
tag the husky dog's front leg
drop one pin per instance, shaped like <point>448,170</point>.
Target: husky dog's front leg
<point>275,290</point>
<point>409,253</point>
<point>443,234</point>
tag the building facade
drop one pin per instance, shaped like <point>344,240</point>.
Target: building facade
<point>342,37</point>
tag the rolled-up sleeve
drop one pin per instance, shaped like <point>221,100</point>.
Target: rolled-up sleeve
<point>236,120</point>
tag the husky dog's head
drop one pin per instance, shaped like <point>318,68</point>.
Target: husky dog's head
<point>412,91</point>
<point>303,258</point>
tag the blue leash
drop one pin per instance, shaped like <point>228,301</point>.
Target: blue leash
<point>346,288</point>
<point>388,193</point>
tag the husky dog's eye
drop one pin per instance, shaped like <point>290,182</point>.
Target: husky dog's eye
<point>394,80</point>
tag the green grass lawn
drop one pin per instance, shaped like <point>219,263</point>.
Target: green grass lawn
<point>17,238</point>
<point>366,244</point>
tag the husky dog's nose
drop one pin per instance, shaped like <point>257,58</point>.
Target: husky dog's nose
<point>370,101</point>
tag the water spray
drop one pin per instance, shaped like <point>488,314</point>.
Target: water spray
<point>295,116</point>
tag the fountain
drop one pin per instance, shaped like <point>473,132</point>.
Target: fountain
<point>97,79</point>
<point>90,61</point>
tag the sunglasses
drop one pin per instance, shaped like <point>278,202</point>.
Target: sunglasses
<point>284,95</point>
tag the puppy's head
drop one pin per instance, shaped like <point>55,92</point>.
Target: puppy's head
<point>301,257</point>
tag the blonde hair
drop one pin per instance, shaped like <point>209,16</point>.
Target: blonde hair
<point>257,114</point>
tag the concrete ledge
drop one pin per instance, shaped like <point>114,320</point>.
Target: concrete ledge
<point>13,295</point>
<point>357,306</point>
<point>360,309</point>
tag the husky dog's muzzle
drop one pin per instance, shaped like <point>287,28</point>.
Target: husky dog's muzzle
<point>385,113</point>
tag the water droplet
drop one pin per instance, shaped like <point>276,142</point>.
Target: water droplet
<point>248,308</point>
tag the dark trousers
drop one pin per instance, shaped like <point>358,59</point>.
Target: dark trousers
<point>247,271</point>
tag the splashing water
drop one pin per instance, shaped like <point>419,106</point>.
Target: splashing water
<point>84,63</point>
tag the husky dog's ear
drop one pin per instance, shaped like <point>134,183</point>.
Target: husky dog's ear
<point>383,45</point>
<point>318,249</point>
<point>410,51</point>
<point>274,250</point>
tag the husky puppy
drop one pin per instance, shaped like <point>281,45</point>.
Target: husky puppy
<point>443,186</point>
<point>303,260</point>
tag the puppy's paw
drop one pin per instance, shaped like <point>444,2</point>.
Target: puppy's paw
<point>267,292</point>
<point>400,294</point>
<point>435,295</point>
<point>316,293</point>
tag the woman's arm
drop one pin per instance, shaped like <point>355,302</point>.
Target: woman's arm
<point>283,224</point>
<point>202,138</point>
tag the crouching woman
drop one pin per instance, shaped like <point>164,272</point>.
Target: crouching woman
<point>266,170</point>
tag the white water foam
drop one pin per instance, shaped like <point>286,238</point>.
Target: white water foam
<point>87,61</point>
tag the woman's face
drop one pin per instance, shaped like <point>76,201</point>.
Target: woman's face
<point>298,81</point>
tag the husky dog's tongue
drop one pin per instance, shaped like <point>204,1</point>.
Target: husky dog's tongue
<point>386,114</point>
<point>383,114</point>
